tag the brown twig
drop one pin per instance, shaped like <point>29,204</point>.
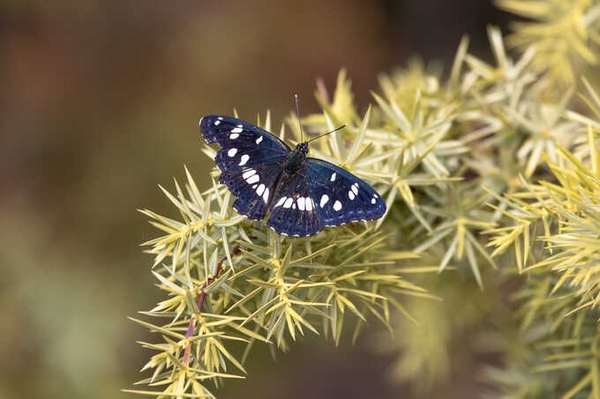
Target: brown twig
<point>192,324</point>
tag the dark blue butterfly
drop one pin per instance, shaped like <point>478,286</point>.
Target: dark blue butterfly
<point>300,195</point>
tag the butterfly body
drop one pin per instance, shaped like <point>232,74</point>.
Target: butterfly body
<point>296,158</point>
<point>300,195</point>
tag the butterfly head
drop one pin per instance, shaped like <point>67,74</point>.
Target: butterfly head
<point>296,158</point>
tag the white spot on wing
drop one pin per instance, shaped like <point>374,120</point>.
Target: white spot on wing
<point>373,201</point>
<point>280,202</point>
<point>217,122</point>
<point>253,179</point>
<point>324,200</point>
<point>351,195</point>
<point>259,139</point>
<point>261,189</point>
<point>354,188</point>
<point>248,173</point>
<point>266,196</point>
<point>337,205</point>
<point>333,176</point>
<point>234,136</point>
<point>237,129</point>
<point>288,203</point>
<point>309,204</point>
<point>232,151</point>
<point>301,202</point>
<point>244,159</point>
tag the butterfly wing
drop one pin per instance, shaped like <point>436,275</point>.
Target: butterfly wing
<point>250,161</point>
<point>242,144</point>
<point>293,210</point>
<point>253,187</point>
<point>339,196</point>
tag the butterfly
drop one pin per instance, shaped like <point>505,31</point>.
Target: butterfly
<point>299,195</point>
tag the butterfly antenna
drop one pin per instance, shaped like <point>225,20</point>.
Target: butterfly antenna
<point>328,133</point>
<point>300,124</point>
<point>298,114</point>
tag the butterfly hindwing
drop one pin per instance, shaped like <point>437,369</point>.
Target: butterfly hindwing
<point>293,211</point>
<point>339,196</point>
<point>253,187</point>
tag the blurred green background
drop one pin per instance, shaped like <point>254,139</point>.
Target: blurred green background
<point>99,103</point>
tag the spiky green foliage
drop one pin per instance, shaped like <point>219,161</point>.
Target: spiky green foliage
<point>491,179</point>
<point>558,225</point>
<point>231,280</point>
<point>566,34</point>
<point>518,132</point>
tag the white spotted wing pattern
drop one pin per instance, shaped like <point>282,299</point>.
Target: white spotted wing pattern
<point>298,195</point>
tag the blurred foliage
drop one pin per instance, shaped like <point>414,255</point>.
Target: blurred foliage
<point>491,179</point>
<point>99,102</point>
<point>565,34</point>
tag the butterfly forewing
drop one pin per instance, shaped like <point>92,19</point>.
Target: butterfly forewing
<point>249,159</point>
<point>339,196</point>
<point>242,144</point>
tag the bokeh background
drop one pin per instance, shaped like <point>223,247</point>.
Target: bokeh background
<point>99,103</point>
